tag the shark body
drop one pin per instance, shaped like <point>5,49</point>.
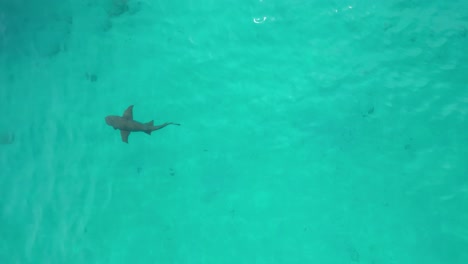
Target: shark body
<point>126,124</point>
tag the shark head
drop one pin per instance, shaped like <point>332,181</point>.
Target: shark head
<point>112,121</point>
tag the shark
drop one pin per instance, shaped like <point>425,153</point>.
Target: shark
<point>126,124</point>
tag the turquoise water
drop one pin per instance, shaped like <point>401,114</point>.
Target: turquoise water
<point>312,132</point>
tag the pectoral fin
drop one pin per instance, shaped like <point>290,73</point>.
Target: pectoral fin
<point>124,135</point>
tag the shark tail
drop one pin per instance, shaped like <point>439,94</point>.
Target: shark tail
<point>153,128</point>
<point>149,124</point>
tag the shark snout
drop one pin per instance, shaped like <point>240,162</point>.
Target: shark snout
<point>108,120</point>
<point>111,120</point>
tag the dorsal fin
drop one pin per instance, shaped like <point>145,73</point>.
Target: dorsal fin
<point>128,114</point>
<point>150,123</point>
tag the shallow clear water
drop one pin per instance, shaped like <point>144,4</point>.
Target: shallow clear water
<point>312,132</point>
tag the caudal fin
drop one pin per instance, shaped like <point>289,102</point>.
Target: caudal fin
<point>152,128</point>
<point>149,124</point>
